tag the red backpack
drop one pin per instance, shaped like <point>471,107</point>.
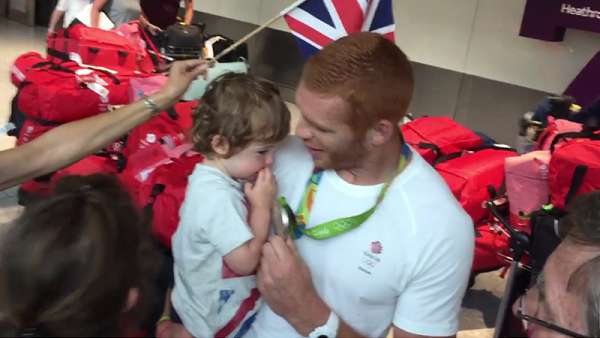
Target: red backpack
<point>574,167</point>
<point>433,137</point>
<point>472,174</point>
<point>182,113</point>
<point>161,129</point>
<point>67,92</point>
<point>98,47</point>
<point>164,192</point>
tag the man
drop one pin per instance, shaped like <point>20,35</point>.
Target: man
<point>401,263</point>
<point>67,10</point>
<point>565,300</point>
<point>53,150</point>
<point>157,15</point>
<point>118,11</point>
<point>401,254</point>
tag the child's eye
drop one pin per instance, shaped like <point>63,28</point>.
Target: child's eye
<point>263,152</point>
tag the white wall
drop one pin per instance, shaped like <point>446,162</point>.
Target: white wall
<point>18,5</point>
<point>478,37</point>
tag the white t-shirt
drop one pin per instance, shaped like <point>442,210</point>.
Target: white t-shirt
<point>122,11</point>
<point>207,295</point>
<point>407,265</point>
<point>71,8</point>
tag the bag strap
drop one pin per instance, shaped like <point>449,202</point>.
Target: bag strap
<point>576,181</point>
<point>589,134</point>
<point>116,156</point>
<point>436,150</point>
<point>458,154</point>
<point>57,54</point>
<point>172,113</point>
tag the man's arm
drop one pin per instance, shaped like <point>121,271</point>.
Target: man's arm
<point>189,12</point>
<point>95,12</point>
<point>54,19</point>
<point>148,25</point>
<point>286,285</point>
<point>72,141</point>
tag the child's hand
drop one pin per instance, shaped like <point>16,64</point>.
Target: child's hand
<point>262,193</point>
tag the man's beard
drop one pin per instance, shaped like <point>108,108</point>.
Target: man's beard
<point>346,157</point>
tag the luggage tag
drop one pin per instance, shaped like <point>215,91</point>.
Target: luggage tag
<point>93,82</point>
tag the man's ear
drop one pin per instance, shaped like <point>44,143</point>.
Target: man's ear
<point>220,145</point>
<point>381,132</point>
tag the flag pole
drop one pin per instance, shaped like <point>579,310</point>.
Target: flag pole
<point>257,30</point>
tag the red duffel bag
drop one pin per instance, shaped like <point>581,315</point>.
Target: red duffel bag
<point>67,92</point>
<point>98,47</point>
<point>24,64</point>
<point>471,174</point>
<point>433,137</point>
<point>574,167</point>
<point>41,187</point>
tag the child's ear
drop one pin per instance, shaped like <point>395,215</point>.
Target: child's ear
<point>220,145</point>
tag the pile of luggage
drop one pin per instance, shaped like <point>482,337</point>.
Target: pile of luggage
<point>89,71</point>
<point>508,193</point>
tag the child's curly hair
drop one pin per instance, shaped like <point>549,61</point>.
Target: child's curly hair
<point>242,108</point>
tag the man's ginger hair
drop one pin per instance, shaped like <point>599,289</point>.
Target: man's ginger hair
<point>369,72</point>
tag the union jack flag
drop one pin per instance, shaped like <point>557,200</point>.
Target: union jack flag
<point>316,23</point>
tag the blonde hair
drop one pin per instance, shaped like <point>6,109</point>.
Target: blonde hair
<point>242,108</point>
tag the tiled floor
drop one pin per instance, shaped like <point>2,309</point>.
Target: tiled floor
<point>479,306</point>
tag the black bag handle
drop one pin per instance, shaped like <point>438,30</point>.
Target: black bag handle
<point>172,113</point>
<point>589,134</point>
<point>436,150</point>
<point>458,154</point>
<point>576,182</point>
<point>116,156</point>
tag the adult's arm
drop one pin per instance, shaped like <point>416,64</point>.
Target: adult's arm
<point>95,12</point>
<point>70,142</point>
<point>285,283</point>
<point>153,29</point>
<point>57,14</point>
<point>189,12</point>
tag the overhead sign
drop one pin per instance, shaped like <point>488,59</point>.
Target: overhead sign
<point>549,19</point>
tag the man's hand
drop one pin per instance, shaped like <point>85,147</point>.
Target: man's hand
<point>181,74</point>
<point>262,193</point>
<point>286,285</point>
<point>153,29</point>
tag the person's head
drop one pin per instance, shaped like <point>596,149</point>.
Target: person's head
<point>72,265</point>
<point>238,122</point>
<point>567,292</point>
<point>352,95</point>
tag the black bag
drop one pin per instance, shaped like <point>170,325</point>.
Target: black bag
<point>215,44</point>
<point>183,41</point>
<point>17,117</point>
<point>545,237</point>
